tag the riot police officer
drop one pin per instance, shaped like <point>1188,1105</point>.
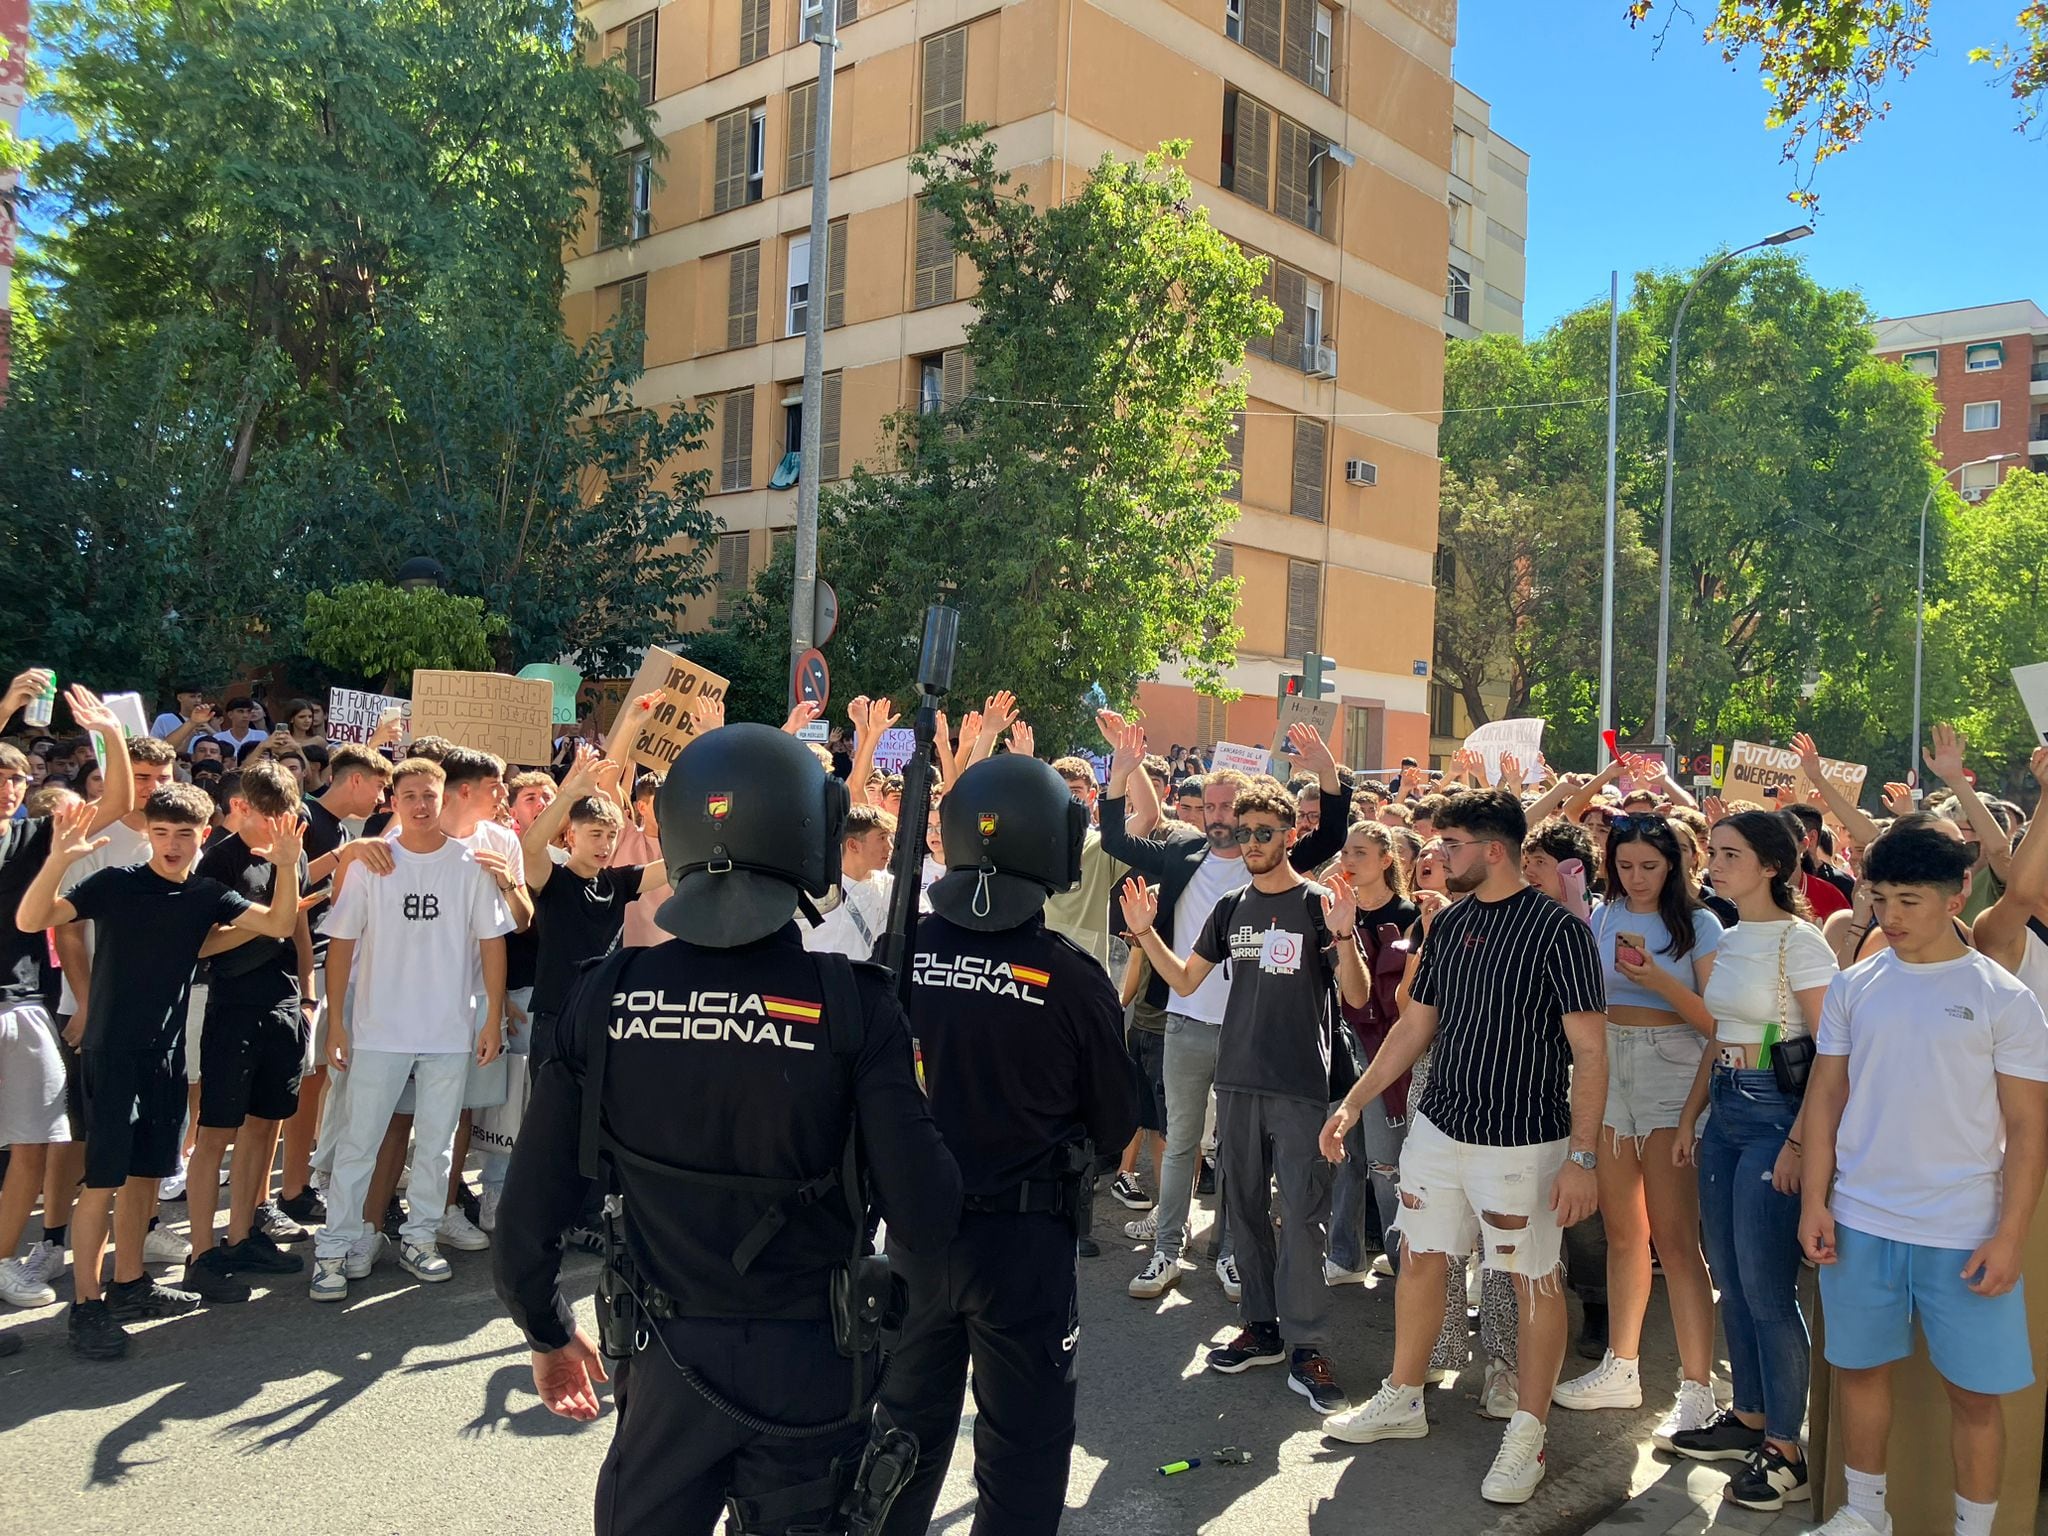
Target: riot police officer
<point>1024,1060</point>
<point>716,1084</point>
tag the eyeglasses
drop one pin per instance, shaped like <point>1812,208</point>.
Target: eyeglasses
<point>1459,845</point>
<point>1259,835</point>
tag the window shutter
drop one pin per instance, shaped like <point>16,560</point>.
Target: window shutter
<point>729,169</point>
<point>849,12</point>
<point>1297,40</point>
<point>1252,178</point>
<point>952,377</point>
<point>835,273</point>
<point>734,552</point>
<point>1290,184</point>
<point>639,55</point>
<point>945,82</point>
<point>1262,28</point>
<point>736,469</point>
<point>1290,292</point>
<point>753,30</point>
<point>1304,601</point>
<point>1223,562</point>
<point>828,428</point>
<point>1262,346</point>
<point>1235,492</point>
<point>743,297</point>
<point>803,125</point>
<point>1308,469</point>
<point>633,306</point>
<point>934,257</point>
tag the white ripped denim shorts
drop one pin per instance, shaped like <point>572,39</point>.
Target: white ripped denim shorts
<point>1453,1191</point>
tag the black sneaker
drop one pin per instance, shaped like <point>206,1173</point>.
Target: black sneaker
<point>1770,1480</point>
<point>394,1218</point>
<point>1087,1248</point>
<point>94,1333</point>
<point>1260,1345</point>
<point>275,1225</point>
<point>10,1344</point>
<point>1130,1193</point>
<point>259,1253</point>
<point>471,1202</point>
<point>1593,1331</point>
<point>1724,1437</point>
<point>306,1207</point>
<point>1205,1181</point>
<point>211,1276</point>
<point>139,1300</point>
<point>1309,1374</point>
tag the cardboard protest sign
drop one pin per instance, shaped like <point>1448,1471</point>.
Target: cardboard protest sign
<point>661,733</point>
<point>895,747</point>
<point>2032,683</point>
<point>566,680</point>
<point>510,717</point>
<point>1252,760</point>
<point>1754,770</point>
<point>127,708</point>
<point>1320,713</point>
<point>1523,737</point>
<point>352,714</point>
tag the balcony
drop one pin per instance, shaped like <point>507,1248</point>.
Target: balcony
<point>2038,384</point>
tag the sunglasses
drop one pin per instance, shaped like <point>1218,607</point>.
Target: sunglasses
<point>1642,823</point>
<point>1259,835</point>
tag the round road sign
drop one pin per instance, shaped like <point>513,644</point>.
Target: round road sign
<point>812,679</point>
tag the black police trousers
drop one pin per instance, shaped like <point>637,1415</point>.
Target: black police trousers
<point>1003,1296</point>
<point>675,1459</point>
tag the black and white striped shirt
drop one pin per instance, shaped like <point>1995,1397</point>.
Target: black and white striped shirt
<point>1502,975</point>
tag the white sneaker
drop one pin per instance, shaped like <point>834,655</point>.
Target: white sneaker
<point>487,1218</point>
<point>457,1231</point>
<point>1383,1266</point>
<point>330,1280</point>
<point>172,1188</point>
<point>362,1257</point>
<point>1613,1383</point>
<point>1143,1231</point>
<point>1226,1273</point>
<point>45,1261</point>
<point>423,1261</point>
<point>163,1246</point>
<point>19,1288</point>
<point>1500,1392</point>
<point>1159,1276</point>
<point>1518,1467</point>
<point>1333,1274</point>
<point>1693,1410</point>
<point>1846,1522</point>
<point>1395,1413</point>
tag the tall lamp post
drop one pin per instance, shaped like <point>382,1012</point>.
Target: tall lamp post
<point>1920,609</point>
<point>1660,737</point>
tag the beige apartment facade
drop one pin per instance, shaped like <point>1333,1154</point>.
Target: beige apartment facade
<point>1321,138</point>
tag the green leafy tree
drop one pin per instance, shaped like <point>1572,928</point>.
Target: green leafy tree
<point>1069,504</point>
<point>371,629</point>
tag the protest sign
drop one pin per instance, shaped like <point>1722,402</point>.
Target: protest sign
<point>127,708</point>
<point>1252,760</point>
<point>510,717</point>
<point>352,714</point>
<point>1523,737</point>
<point>2032,683</point>
<point>1755,771</point>
<point>1320,713</point>
<point>565,681</point>
<point>895,747</point>
<point>661,733</point>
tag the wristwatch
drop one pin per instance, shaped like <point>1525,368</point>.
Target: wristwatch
<point>1585,1160</point>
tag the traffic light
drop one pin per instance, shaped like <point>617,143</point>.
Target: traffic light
<point>1315,680</point>
<point>1290,685</point>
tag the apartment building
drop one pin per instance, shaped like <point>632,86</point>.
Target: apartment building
<point>1489,206</point>
<point>1322,138</point>
<point>1989,368</point>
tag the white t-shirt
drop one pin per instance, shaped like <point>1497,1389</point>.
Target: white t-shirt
<point>415,985</point>
<point>1214,879</point>
<point>125,847</point>
<point>1742,994</point>
<point>162,726</point>
<point>1921,1149</point>
<point>857,923</point>
<point>2033,971</point>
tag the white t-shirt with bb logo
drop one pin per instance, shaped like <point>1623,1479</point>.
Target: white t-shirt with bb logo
<point>414,983</point>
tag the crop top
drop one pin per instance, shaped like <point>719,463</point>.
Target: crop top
<point>1742,994</point>
<point>1614,919</point>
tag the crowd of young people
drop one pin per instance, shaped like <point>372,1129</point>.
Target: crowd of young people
<point>1569,1031</point>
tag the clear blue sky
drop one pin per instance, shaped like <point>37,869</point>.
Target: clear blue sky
<point>1641,161</point>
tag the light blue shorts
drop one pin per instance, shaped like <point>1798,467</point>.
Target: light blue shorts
<point>1876,1285</point>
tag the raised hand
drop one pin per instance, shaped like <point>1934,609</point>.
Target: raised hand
<point>1126,747</point>
<point>1946,758</point>
<point>1140,903</point>
<point>287,840</point>
<point>1898,799</point>
<point>2037,765</point>
<point>801,714</point>
<point>1110,723</point>
<point>1714,808</point>
<point>999,711</point>
<point>857,713</point>
<point>89,712</point>
<point>1809,755</point>
<point>68,829</point>
<point>27,685</point>
<point>706,713</point>
<point>1022,741</point>
<point>1310,750</point>
<point>1340,906</point>
<point>1510,773</point>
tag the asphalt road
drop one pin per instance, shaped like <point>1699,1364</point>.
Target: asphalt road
<point>411,1409</point>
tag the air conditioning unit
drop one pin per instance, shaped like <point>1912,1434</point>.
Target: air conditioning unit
<point>1975,494</point>
<point>1318,361</point>
<point>1361,472</point>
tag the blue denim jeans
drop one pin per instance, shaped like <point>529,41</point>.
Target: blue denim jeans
<point>1751,1234</point>
<point>1370,1171</point>
<point>1190,1071</point>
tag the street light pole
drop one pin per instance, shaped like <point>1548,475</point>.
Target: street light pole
<point>1920,610</point>
<point>803,599</point>
<point>1660,738</point>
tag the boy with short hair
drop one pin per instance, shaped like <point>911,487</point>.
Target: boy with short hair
<point>1926,1138</point>
<point>153,919</point>
<point>418,945</point>
<point>857,919</point>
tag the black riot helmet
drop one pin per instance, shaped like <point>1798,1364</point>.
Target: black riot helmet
<point>749,818</point>
<point>1013,833</point>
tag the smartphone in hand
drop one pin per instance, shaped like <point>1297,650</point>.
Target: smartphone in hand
<point>1631,948</point>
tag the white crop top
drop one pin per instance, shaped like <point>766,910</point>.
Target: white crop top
<point>1742,992</point>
